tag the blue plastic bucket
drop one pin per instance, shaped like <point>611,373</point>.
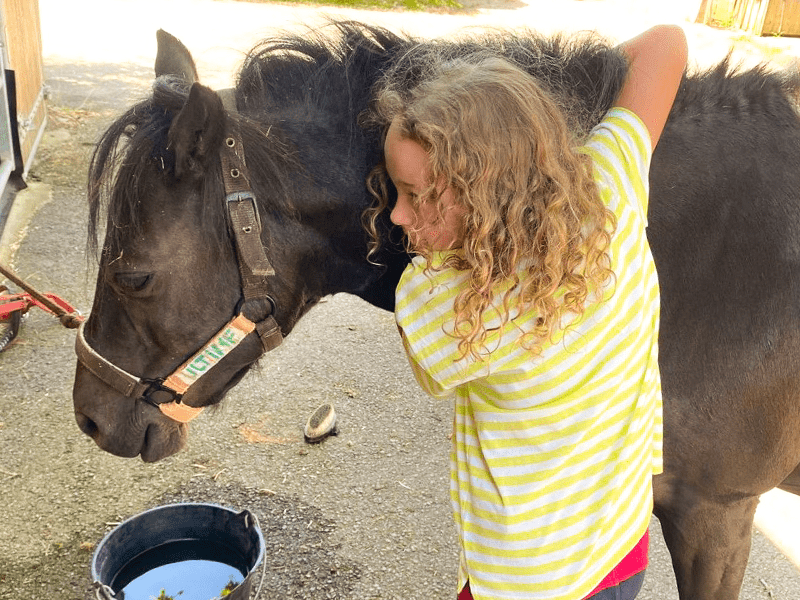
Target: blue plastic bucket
<point>184,551</point>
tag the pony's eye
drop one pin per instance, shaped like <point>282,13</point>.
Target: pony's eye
<point>132,282</point>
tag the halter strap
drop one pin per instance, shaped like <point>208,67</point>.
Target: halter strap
<point>254,266</point>
<point>126,384</point>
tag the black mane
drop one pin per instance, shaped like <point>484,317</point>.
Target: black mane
<point>328,70</point>
<point>132,145</point>
<point>729,88</point>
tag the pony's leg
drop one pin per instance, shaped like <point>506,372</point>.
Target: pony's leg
<point>708,540</point>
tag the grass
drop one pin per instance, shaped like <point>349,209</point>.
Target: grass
<point>415,5</point>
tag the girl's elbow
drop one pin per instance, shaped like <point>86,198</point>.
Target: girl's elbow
<point>673,42</point>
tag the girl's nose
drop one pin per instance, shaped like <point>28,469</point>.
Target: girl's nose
<point>402,214</point>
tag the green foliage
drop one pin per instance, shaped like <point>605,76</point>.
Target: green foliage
<point>415,5</point>
<point>163,595</point>
<point>229,587</point>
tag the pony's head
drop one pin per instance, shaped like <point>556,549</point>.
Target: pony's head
<point>165,332</point>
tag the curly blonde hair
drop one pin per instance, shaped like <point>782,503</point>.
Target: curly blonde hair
<point>534,217</point>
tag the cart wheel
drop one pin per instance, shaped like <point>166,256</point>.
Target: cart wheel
<point>9,327</point>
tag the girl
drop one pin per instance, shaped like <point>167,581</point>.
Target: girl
<point>533,300</point>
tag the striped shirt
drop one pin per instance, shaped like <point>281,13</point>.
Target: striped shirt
<point>553,454</point>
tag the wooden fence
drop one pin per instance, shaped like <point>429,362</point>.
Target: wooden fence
<point>760,17</point>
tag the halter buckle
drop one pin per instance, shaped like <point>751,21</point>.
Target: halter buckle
<point>157,393</point>
<point>249,197</point>
<point>170,401</point>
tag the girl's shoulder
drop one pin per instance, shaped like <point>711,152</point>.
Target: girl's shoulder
<point>621,130</point>
<point>426,276</point>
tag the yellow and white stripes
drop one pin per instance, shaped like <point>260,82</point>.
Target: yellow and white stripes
<point>553,455</point>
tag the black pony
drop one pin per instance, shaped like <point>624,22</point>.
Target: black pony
<point>724,229</point>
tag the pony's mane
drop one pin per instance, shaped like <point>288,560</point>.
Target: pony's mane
<point>333,69</point>
<point>582,72</point>
<point>127,149</point>
<point>730,88</point>
<point>329,69</point>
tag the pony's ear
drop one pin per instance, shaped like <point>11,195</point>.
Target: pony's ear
<point>197,131</point>
<point>174,59</point>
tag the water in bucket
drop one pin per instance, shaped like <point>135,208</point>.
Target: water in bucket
<point>181,570</point>
<point>180,552</point>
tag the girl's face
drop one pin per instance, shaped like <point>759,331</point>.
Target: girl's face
<point>429,224</point>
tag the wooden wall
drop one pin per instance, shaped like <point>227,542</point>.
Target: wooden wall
<point>760,17</point>
<point>23,40</point>
<point>782,17</point>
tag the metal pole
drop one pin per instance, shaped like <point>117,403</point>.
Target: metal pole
<point>70,320</point>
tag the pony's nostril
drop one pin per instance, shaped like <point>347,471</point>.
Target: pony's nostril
<point>86,425</point>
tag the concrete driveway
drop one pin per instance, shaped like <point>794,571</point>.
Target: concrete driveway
<point>364,515</point>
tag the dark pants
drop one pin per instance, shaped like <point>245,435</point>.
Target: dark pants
<point>626,590</point>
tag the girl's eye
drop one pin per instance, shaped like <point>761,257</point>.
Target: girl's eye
<point>132,282</point>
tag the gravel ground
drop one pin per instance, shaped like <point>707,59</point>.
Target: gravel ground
<point>363,515</point>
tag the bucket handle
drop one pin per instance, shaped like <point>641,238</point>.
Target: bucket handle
<point>247,516</point>
<point>103,592</point>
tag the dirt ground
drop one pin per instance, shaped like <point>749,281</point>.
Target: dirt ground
<point>362,516</point>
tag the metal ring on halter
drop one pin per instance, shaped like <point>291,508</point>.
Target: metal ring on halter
<point>273,307</point>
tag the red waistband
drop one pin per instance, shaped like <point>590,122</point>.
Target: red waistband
<point>634,562</point>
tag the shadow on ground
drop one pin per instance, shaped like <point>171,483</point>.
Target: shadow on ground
<point>300,556</point>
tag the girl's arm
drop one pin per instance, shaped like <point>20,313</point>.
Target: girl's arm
<point>657,59</point>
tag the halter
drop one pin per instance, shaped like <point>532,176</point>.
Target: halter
<point>254,267</point>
